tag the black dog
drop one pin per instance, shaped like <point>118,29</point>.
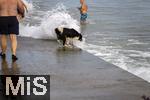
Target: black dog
<point>64,33</point>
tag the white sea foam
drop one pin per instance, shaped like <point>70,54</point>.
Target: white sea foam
<point>29,4</point>
<point>135,42</point>
<point>114,56</point>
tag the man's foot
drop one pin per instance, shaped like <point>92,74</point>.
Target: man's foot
<point>3,55</point>
<point>14,58</point>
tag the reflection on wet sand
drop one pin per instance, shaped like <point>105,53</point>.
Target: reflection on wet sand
<point>6,70</point>
<point>9,71</point>
<point>74,49</point>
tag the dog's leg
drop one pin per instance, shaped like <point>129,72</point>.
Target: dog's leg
<point>64,41</point>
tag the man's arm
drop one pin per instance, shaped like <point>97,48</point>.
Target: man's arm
<point>20,8</point>
<point>25,6</point>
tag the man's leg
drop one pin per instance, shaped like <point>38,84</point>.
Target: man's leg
<point>13,39</point>
<point>3,43</point>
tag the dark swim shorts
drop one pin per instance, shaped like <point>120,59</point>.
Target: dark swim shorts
<point>9,25</point>
<point>83,17</point>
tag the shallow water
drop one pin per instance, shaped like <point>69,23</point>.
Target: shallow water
<point>117,30</point>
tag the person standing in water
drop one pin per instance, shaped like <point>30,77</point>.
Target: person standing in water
<point>83,11</point>
<point>9,24</point>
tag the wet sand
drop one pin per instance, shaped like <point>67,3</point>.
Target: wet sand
<point>75,74</point>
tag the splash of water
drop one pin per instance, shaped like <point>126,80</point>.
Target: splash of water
<point>28,4</point>
<point>51,19</point>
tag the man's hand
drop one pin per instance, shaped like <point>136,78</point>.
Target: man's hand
<point>21,8</point>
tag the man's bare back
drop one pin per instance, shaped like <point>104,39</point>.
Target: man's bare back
<point>11,7</point>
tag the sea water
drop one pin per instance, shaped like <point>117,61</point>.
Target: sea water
<point>117,31</point>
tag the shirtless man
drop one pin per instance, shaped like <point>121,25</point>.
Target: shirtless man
<point>9,25</point>
<point>83,11</point>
